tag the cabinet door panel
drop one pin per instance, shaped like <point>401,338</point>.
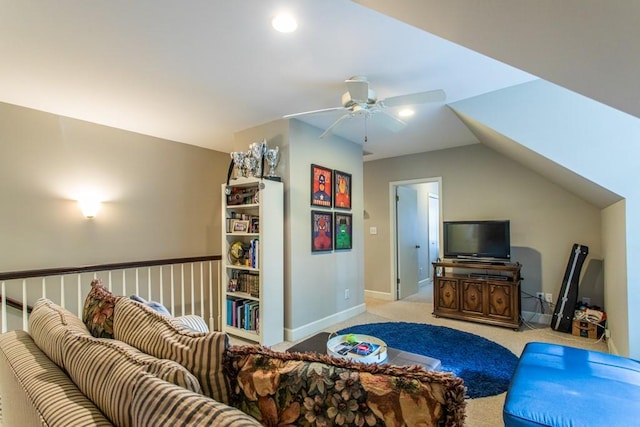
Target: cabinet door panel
<point>447,294</point>
<point>473,297</point>
<point>500,304</point>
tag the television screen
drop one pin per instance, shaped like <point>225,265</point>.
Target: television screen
<point>477,239</point>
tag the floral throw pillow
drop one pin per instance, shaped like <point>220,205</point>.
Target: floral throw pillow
<point>307,389</point>
<point>98,310</point>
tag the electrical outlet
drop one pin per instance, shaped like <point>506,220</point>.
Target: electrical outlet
<point>586,300</point>
<point>346,294</point>
<point>540,296</point>
<point>548,297</point>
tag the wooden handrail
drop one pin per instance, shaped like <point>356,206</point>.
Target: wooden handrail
<point>16,304</point>
<point>12,275</point>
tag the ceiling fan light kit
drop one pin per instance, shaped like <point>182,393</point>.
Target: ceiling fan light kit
<point>361,100</point>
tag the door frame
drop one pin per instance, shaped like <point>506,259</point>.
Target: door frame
<point>393,238</point>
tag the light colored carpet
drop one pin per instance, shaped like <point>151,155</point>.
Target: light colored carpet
<point>486,411</point>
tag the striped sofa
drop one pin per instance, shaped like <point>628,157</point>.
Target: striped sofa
<point>153,373</point>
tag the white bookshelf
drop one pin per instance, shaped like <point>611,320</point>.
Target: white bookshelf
<point>259,282</point>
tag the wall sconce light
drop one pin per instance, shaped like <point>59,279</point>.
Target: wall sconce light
<point>89,207</point>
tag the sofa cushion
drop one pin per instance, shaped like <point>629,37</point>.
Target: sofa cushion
<point>201,353</point>
<point>36,392</point>
<point>159,403</point>
<point>98,310</point>
<point>49,324</point>
<point>279,388</point>
<point>103,370</point>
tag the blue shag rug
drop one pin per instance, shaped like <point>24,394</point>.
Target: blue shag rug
<point>485,367</point>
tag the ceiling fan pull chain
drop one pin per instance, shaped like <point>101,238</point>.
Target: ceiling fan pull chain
<point>365,129</point>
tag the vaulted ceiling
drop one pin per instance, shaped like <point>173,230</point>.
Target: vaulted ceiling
<point>197,72</point>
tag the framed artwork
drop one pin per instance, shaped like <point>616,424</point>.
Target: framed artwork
<point>239,226</point>
<point>321,179</point>
<point>341,190</point>
<point>342,235</point>
<point>321,231</point>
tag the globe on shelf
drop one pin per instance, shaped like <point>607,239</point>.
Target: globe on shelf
<point>236,252</point>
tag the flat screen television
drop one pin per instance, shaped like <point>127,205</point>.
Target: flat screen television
<point>479,240</point>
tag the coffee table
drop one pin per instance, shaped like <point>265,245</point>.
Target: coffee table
<point>318,344</point>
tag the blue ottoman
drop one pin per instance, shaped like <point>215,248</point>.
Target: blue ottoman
<point>554,385</point>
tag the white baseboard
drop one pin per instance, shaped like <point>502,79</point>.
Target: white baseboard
<point>319,325</point>
<point>385,296</point>
<point>534,317</point>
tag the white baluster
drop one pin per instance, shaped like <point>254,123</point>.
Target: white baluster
<point>173,302</point>
<point>80,301</point>
<point>162,288</point>
<point>193,292</point>
<point>182,287</point>
<point>149,282</point>
<point>4,308</point>
<point>62,302</point>
<point>211,321</point>
<point>202,288</point>
<point>25,317</point>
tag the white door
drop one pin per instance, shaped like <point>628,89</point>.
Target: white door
<point>434,231</point>
<point>406,241</point>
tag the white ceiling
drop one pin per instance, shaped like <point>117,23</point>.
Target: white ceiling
<point>198,71</point>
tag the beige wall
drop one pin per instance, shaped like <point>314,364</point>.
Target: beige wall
<point>315,283</point>
<point>161,198</point>
<point>478,183</point>
<point>614,242</point>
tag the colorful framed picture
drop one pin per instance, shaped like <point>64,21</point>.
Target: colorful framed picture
<point>342,231</point>
<point>321,179</point>
<point>341,190</point>
<point>321,231</point>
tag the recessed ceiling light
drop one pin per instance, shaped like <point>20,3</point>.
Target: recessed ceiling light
<point>285,23</point>
<point>407,112</point>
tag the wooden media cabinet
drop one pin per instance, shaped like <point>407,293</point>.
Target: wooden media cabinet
<point>478,291</point>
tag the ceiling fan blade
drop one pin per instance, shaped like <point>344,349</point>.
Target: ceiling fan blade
<point>415,98</point>
<point>304,113</point>
<point>389,121</point>
<point>358,88</point>
<point>334,125</point>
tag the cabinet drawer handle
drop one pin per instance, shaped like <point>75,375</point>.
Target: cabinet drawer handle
<point>447,294</point>
<point>472,297</point>
<point>499,300</point>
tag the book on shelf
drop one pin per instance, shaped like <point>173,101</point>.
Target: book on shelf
<point>241,196</point>
<point>243,313</point>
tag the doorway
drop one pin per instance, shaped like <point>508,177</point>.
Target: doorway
<point>415,234</point>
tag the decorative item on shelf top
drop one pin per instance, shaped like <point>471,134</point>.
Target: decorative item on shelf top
<point>251,162</point>
<point>237,253</point>
<point>272,156</point>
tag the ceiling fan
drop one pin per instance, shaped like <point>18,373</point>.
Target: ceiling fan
<point>361,100</point>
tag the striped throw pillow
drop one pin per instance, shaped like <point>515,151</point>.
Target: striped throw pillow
<point>192,322</point>
<point>49,324</point>
<point>201,353</point>
<point>56,400</point>
<point>158,403</point>
<point>103,370</point>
